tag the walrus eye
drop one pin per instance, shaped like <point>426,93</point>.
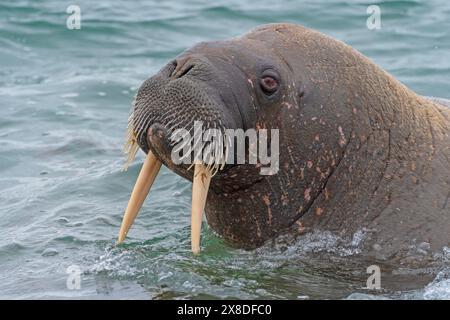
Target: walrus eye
<point>269,85</point>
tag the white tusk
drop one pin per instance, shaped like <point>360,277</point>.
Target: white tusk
<point>202,178</point>
<point>146,177</point>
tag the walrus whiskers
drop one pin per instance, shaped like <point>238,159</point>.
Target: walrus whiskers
<point>131,146</point>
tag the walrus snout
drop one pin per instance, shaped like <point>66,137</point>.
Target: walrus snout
<point>182,94</point>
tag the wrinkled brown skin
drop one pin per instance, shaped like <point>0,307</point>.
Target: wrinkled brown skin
<point>358,149</point>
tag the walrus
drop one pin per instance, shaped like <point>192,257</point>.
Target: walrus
<point>358,149</point>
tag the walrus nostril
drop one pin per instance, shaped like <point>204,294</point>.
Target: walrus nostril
<point>169,69</point>
<point>184,72</point>
<point>183,66</point>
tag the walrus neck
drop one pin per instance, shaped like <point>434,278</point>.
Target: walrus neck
<point>383,163</point>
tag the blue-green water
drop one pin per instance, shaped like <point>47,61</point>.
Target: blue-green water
<point>64,102</point>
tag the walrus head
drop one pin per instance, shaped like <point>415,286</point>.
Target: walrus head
<point>282,77</point>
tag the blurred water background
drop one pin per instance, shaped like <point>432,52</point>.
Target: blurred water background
<point>64,101</point>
